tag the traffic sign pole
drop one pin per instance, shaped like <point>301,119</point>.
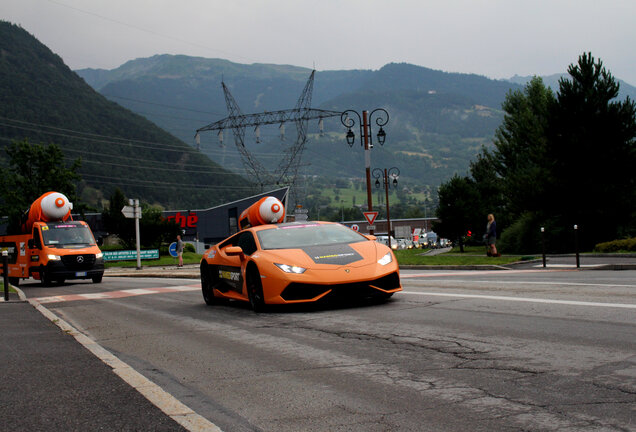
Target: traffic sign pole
<point>137,216</point>
<point>134,211</point>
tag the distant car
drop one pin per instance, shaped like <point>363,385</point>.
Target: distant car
<point>407,243</point>
<point>297,262</point>
<point>385,241</point>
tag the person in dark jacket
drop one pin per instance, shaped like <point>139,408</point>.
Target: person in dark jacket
<point>180,251</point>
<point>491,235</point>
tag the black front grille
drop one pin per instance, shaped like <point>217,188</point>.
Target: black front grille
<point>300,291</point>
<point>78,262</point>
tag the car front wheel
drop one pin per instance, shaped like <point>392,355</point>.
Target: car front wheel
<point>206,285</point>
<point>255,289</point>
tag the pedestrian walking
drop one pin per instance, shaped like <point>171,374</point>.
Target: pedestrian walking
<point>180,251</point>
<point>491,236</point>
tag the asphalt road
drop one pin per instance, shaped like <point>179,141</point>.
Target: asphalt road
<point>457,350</point>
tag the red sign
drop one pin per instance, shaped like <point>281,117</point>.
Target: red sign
<point>185,221</point>
<point>370,216</point>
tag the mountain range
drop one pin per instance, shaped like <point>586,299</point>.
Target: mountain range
<point>438,121</point>
<point>134,126</point>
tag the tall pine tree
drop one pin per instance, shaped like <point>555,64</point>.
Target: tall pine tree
<point>592,149</point>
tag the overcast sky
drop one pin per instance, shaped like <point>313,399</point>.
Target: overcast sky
<point>495,38</point>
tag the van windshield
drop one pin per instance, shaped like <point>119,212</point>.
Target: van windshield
<point>67,235</point>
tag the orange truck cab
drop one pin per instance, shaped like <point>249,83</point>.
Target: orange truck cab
<point>53,250</point>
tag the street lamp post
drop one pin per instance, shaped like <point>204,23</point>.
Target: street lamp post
<point>394,173</point>
<point>381,119</point>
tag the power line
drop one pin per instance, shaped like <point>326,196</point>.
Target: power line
<point>150,183</point>
<point>98,162</point>
<point>162,105</point>
<point>88,137</point>
<point>186,149</point>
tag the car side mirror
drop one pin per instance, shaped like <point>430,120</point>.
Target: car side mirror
<point>233,250</point>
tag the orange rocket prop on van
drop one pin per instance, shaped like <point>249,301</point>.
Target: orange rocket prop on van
<point>267,210</point>
<point>51,206</point>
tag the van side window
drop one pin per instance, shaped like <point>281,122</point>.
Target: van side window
<point>36,238</point>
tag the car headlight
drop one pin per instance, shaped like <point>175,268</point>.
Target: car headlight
<point>99,255</point>
<point>386,259</point>
<point>52,257</point>
<point>290,269</point>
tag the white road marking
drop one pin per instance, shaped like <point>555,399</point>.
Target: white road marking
<point>433,273</point>
<point>524,299</point>
<point>117,294</point>
<point>551,283</point>
<point>163,400</point>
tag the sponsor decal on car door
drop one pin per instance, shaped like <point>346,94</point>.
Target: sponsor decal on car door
<point>232,278</point>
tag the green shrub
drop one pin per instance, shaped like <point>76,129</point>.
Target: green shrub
<point>523,236</point>
<point>617,246</point>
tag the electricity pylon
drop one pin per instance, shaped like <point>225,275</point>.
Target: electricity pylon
<point>287,170</point>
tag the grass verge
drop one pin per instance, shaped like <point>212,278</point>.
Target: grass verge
<point>471,256</point>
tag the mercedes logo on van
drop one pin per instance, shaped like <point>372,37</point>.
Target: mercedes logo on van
<point>80,259</point>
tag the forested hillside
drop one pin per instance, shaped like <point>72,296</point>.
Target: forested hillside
<point>43,101</point>
<point>438,120</point>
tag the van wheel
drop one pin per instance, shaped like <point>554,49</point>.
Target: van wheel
<point>14,281</point>
<point>45,279</point>
<point>97,279</point>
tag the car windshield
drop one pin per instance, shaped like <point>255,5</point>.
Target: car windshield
<point>297,236</point>
<point>60,235</point>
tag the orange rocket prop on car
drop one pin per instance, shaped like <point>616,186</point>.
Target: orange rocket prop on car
<point>52,206</point>
<point>267,210</point>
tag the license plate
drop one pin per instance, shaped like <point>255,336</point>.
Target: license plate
<point>80,274</point>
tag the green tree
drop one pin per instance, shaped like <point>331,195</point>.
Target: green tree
<point>591,137</point>
<point>520,155</point>
<point>115,222</point>
<point>153,228</point>
<point>34,169</point>
<point>459,210</point>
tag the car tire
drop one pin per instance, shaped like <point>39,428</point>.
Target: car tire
<point>207,285</point>
<point>97,279</point>
<point>255,289</point>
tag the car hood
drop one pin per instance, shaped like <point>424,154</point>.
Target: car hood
<point>354,255</point>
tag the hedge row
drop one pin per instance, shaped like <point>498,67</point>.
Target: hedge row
<point>617,246</point>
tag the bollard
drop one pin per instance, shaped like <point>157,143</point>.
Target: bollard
<point>5,273</point>
<point>576,245</point>
<point>543,244</point>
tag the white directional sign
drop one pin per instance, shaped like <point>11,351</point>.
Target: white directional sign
<point>129,212</point>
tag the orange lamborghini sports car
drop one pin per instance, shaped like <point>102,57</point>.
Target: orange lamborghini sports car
<point>297,262</point>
